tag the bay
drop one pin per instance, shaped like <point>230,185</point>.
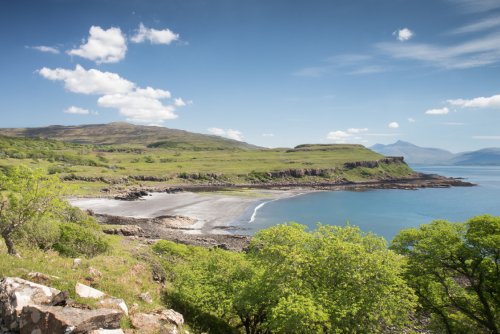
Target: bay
<point>386,211</point>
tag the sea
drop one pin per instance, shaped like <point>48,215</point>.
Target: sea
<point>385,211</point>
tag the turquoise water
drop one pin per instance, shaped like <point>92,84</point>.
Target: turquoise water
<point>386,211</point>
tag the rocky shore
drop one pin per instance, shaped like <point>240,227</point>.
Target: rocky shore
<point>201,215</point>
<point>171,228</point>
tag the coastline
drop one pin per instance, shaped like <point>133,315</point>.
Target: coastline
<point>214,215</point>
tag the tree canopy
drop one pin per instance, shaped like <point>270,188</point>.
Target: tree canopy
<point>454,269</point>
<point>330,280</point>
<point>25,196</point>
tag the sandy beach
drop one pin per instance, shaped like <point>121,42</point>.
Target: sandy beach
<point>211,212</point>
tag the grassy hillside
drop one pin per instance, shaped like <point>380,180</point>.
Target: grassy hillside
<point>124,133</point>
<point>93,167</point>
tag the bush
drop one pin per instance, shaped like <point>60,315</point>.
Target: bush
<point>43,234</point>
<point>76,240</point>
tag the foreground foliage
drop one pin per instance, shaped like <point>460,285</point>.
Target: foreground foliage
<point>454,269</point>
<point>32,212</point>
<point>331,280</point>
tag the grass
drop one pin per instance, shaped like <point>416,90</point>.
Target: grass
<point>94,167</point>
<point>125,273</point>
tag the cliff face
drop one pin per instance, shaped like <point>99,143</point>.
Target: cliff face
<point>374,164</point>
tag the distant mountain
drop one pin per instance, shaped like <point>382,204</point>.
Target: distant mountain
<point>414,154</point>
<point>417,155</point>
<point>125,133</point>
<point>486,156</point>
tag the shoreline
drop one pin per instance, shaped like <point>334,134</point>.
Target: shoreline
<point>215,216</point>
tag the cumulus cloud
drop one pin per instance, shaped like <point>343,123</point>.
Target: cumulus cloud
<point>393,125</point>
<point>79,111</point>
<point>229,133</point>
<point>338,136</point>
<point>178,102</point>
<point>140,105</point>
<point>44,48</point>
<point>404,34</point>
<point>90,81</point>
<point>351,134</point>
<point>136,103</point>
<point>440,111</point>
<point>103,46</point>
<point>165,36</point>
<point>411,120</point>
<point>478,102</point>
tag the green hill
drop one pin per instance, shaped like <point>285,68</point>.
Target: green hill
<point>125,133</point>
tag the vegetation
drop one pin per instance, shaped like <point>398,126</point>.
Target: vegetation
<point>454,269</point>
<point>331,280</point>
<point>93,167</point>
<point>31,210</point>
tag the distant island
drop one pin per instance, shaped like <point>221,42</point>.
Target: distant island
<point>416,155</point>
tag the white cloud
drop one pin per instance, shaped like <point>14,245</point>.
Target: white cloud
<point>473,53</point>
<point>484,24</point>
<point>338,136</point>
<point>103,46</point>
<point>178,102</point>
<point>393,125</point>
<point>44,48</point>
<point>440,111</point>
<point>487,137</point>
<point>411,120</point>
<point>268,135</point>
<point>79,111</point>
<point>154,36</point>
<point>351,134</point>
<point>478,102</point>
<point>90,81</point>
<point>141,105</point>
<point>357,130</point>
<point>404,34</point>
<point>368,70</point>
<point>136,103</point>
<point>476,6</point>
<point>229,133</point>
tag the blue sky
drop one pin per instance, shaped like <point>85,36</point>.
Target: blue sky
<point>273,73</point>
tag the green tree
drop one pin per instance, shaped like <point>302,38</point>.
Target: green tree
<point>330,280</point>
<point>26,196</point>
<point>454,269</point>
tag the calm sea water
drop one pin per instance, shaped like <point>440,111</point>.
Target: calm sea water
<point>387,211</point>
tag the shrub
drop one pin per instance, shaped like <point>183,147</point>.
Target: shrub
<point>76,240</point>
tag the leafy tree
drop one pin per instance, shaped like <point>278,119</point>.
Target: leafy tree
<point>454,269</point>
<point>26,196</point>
<point>331,280</point>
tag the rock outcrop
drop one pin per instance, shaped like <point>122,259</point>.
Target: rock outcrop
<point>31,308</point>
<point>64,320</point>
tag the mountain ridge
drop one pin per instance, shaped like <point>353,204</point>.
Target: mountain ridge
<point>418,155</point>
<point>118,133</point>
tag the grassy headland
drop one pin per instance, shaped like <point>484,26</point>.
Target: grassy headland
<point>124,155</point>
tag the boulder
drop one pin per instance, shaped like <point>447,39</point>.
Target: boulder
<point>107,331</point>
<point>86,291</point>
<point>16,293</point>
<point>165,322</point>
<point>114,303</point>
<point>146,297</point>
<point>66,320</point>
